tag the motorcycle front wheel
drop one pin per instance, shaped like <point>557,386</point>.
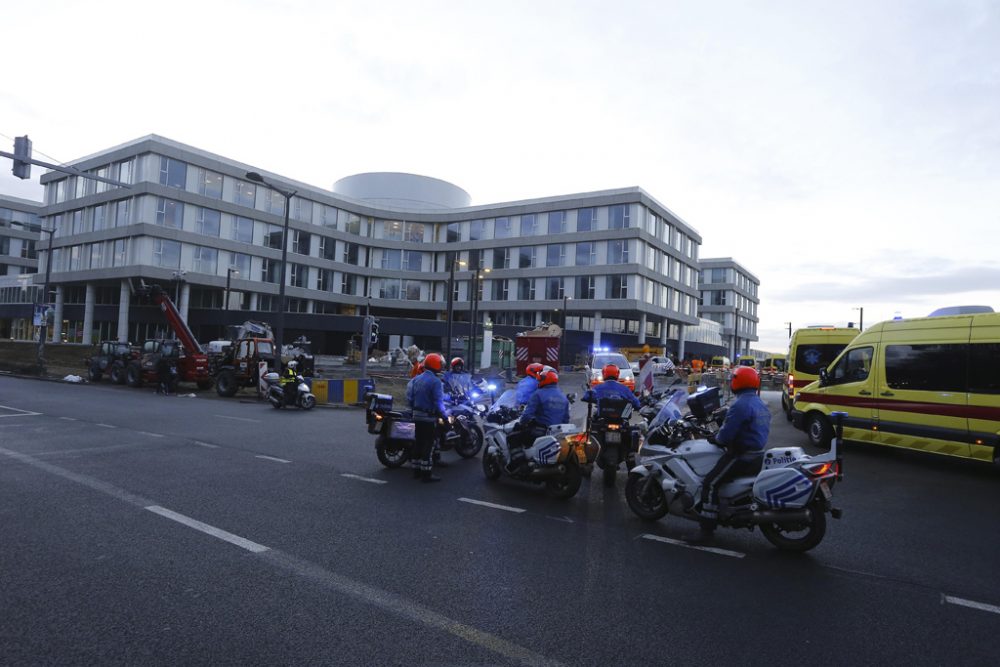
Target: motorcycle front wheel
<point>471,443</point>
<point>645,497</point>
<point>491,466</point>
<point>308,402</point>
<point>801,537</point>
<point>390,454</point>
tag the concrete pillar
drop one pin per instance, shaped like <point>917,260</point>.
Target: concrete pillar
<point>253,301</point>
<point>538,318</point>
<point>597,328</point>
<point>664,332</point>
<point>680,342</point>
<point>123,299</point>
<point>642,329</point>
<point>185,300</point>
<point>88,314</point>
<point>58,316</point>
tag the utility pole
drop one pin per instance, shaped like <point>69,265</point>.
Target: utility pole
<point>789,329</point>
<point>366,334</point>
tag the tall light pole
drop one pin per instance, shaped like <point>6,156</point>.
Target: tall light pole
<point>279,330</point>
<point>229,274</point>
<point>451,300</point>
<point>789,328</point>
<point>562,341</point>
<point>473,324</point>
<point>861,320</point>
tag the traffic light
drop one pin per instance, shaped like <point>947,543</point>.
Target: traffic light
<point>22,157</point>
<point>374,332</point>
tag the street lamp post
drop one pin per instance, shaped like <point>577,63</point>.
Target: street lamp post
<point>789,328</point>
<point>861,319</point>
<point>229,274</point>
<point>562,340</point>
<point>279,330</point>
<point>473,324</point>
<point>451,301</point>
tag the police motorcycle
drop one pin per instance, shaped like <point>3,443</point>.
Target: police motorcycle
<point>466,423</point>
<point>277,395</point>
<point>555,460</point>
<point>788,499</point>
<point>618,440</point>
<point>396,432</point>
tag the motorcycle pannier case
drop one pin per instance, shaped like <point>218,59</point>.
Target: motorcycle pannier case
<point>703,403</point>
<point>379,402</point>
<point>783,488</point>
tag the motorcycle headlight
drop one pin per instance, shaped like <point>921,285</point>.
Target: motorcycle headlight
<point>491,387</point>
<point>475,394</point>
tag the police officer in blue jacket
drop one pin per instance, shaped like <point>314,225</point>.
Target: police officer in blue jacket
<point>743,434</point>
<point>610,387</point>
<point>457,380</point>
<point>529,384</point>
<point>546,407</point>
<point>426,398</point>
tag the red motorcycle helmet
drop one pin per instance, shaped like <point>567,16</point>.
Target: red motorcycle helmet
<point>533,370</point>
<point>434,362</point>
<point>744,377</point>
<point>457,365</point>
<point>610,372</point>
<point>547,376</point>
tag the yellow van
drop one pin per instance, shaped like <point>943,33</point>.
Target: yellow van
<point>746,360</point>
<point>930,383</point>
<point>809,350</point>
<point>773,365</point>
<point>718,363</point>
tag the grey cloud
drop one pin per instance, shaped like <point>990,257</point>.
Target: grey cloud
<point>898,288</point>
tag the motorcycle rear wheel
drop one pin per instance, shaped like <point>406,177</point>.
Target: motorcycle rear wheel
<point>566,485</point>
<point>789,539</point>
<point>469,447</point>
<point>648,503</point>
<point>391,455</point>
<point>491,466</point>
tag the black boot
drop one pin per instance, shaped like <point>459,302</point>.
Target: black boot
<point>429,477</point>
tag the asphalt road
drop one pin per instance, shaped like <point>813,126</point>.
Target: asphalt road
<point>145,529</point>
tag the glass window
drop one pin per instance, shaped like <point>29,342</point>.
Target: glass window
<point>526,257</point>
<point>392,259</point>
<point>242,229</point>
<point>526,289</point>
<point>240,262</point>
<point>984,368</point>
<point>618,287</point>
<point>121,213</point>
<point>301,242</point>
<point>503,228</point>
<point>327,248</point>
<point>324,280</point>
<point>101,217</point>
<point>618,252</point>
<point>97,256</point>
<point>209,184</point>
<point>932,367</point>
<point>352,254</point>
<point>852,367</point>
<point>298,275</point>
<point>618,216</point>
<point>811,358</point>
<point>453,232</point>
<point>477,230</point>
<point>120,253</point>
<point>245,193</point>
<point>554,288</point>
<point>389,289</point>
<point>303,209</point>
<point>501,258</point>
<point>555,255</point>
<point>348,284</point>
<point>77,222</point>
<point>412,290</point>
<point>500,290</point>
<point>272,236</point>
<point>167,253</point>
<point>557,222</point>
<point>173,173</point>
<point>208,222</point>
<point>413,260</point>
<point>206,260</point>
<point>269,271</point>
<point>275,202</point>
<point>586,253</point>
<point>28,250</point>
<point>352,223</point>
<point>392,230</point>
<point>415,232</point>
<point>586,219</point>
<point>586,287</point>
<point>529,225</point>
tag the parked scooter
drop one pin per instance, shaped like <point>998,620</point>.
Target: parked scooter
<point>555,460</point>
<point>788,499</point>
<point>279,396</point>
<point>396,432</point>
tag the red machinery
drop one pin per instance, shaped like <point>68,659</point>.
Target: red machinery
<point>537,346</point>
<point>191,360</point>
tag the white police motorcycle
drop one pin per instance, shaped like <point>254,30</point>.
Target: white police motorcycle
<point>279,397</point>
<point>788,499</point>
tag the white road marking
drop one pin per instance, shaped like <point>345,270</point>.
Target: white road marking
<point>239,419</point>
<point>961,602</point>
<point>241,542</point>
<point>105,425</point>
<point>271,458</point>
<point>152,435</point>
<point>563,519</point>
<point>19,411</point>
<point>506,508</point>
<point>205,444</point>
<point>364,479</point>
<point>68,419</point>
<point>338,583</point>
<point>688,545</point>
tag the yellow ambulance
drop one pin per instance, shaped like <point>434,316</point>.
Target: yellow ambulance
<point>930,383</point>
<point>809,350</point>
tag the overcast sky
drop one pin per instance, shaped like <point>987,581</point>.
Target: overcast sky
<point>846,153</point>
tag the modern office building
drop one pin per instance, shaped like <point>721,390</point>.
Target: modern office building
<point>19,238</point>
<point>616,265</point>
<point>729,297</point>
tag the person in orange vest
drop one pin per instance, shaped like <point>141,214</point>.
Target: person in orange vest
<point>697,365</point>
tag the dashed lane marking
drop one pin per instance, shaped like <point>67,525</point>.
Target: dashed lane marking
<point>961,602</point>
<point>18,412</point>
<point>223,535</point>
<point>239,419</point>
<point>68,419</point>
<point>688,545</point>
<point>271,458</point>
<point>204,444</point>
<point>483,503</point>
<point>363,479</point>
<point>106,425</point>
<point>152,435</point>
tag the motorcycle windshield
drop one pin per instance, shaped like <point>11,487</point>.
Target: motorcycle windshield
<point>671,408</point>
<point>508,399</point>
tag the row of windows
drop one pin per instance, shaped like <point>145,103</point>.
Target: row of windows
<point>957,368</point>
<point>23,248</point>
<point>715,276</point>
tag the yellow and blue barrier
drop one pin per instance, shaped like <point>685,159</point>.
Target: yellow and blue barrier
<point>347,391</point>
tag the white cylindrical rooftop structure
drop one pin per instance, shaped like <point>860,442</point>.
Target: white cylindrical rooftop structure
<point>399,190</point>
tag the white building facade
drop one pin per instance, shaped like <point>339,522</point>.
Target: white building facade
<point>729,296</point>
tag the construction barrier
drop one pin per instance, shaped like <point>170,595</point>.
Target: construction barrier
<point>348,392</point>
<point>320,390</point>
